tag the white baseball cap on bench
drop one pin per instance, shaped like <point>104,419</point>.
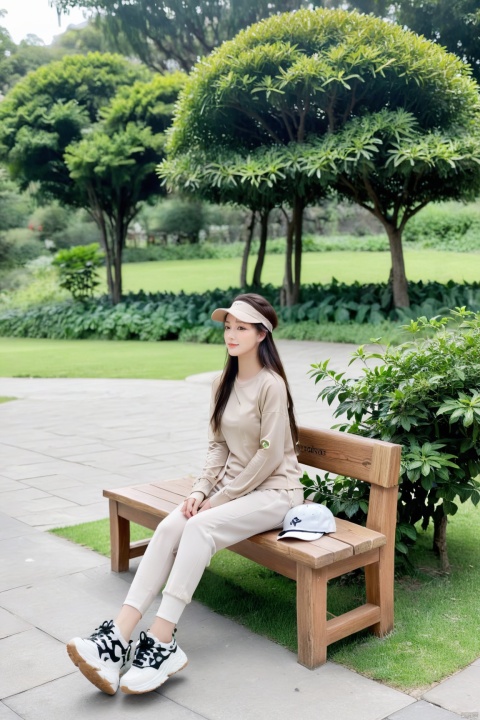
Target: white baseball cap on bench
<point>307,522</point>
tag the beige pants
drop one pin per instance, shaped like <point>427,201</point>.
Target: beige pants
<point>181,549</point>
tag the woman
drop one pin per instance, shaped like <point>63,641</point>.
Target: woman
<point>249,482</point>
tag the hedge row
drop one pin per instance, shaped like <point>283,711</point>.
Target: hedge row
<point>164,316</point>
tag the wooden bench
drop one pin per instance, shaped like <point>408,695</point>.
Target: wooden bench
<point>311,564</point>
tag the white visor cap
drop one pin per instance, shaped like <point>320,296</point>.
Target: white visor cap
<point>307,522</point>
<point>242,311</point>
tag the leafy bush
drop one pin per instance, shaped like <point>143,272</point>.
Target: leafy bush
<point>424,395</point>
<point>449,226</point>
<point>156,316</point>
<point>49,219</point>
<point>78,269</point>
<point>18,246</point>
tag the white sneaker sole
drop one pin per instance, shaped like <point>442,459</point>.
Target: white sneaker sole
<point>92,670</point>
<point>158,680</point>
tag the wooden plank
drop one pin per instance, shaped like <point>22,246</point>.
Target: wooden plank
<point>311,616</point>
<point>379,578</point>
<point>283,565</point>
<point>135,498</point>
<point>141,517</point>
<point>310,554</point>
<point>119,539</point>
<point>353,563</point>
<point>347,454</point>
<point>361,539</point>
<point>137,548</point>
<point>351,622</point>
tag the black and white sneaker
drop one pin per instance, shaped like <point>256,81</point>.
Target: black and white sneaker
<point>153,663</point>
<point>102,657</point>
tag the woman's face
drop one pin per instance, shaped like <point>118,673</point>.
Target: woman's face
<point>241,338</point>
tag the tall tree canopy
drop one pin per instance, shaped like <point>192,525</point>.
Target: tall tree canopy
<point>49,108</point>
<point>166,32</point>
<point>89,131</point>
<point>339,100</point>
<point>455,24</point>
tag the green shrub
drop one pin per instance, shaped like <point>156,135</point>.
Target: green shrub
<point>450,226</point>
<point>78,269</point>
<point>18,246</point>
<point>49,219</point>
<point>424,395</point>
<point>156,316</point>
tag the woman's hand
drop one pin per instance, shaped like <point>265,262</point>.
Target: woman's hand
<point>190,507</point>
<point>205,505</point>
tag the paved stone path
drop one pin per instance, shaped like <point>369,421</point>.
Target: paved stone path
<point>61,443</point>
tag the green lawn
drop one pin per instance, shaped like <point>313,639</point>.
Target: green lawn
<point>22,357</point>
<point>437,624</point>
<point>201,275</point>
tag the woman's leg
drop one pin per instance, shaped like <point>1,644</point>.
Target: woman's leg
<point>105,654</point>
<point>215,529</point>
<point>153,571</point>
<point>203,535</point>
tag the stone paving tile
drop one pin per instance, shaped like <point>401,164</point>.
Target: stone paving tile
<point>10,624</point>
<point>52,483</point>
<point>422,710</point>
<point>69,452</point>
<point>71,515</point>
<point>37,506</point>
<point>267,681</point>
<point>24,495</point>
<point>110,459</point>
<point>6,713</point>
<point>7,485</point>
<point>459,693</point>
<point>80,494</point>
<point>12,527</point>
<point>34,658</point>
<point>74,698</point>
<point>39,556</point>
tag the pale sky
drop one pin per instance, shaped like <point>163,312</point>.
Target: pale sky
<point>36,17</point>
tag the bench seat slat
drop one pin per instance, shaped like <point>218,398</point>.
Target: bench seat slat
<point>160,498</point>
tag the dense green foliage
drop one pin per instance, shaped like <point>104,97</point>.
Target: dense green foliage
<point>48,110</point>
<point>160,316</point>
<point>424,395</point>
<point>167,31</point>
<point>78,269</point>
<point>327,99</point>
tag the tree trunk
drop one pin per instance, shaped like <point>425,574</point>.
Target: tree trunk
<point>118,241</point>
<point>257,274</point>
<point>246,250</point>
<point>298,231</point>
<point>399,278</point>
<point>287,290</point>
<point>440,522</point>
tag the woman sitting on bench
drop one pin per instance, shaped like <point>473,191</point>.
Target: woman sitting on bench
<point>249,482</point>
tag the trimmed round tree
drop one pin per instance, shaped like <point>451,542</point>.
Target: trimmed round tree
<point>387,118</point>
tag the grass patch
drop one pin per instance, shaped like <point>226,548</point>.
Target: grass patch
<point>4,399</point>
<point>437,625</point>
<point>201,275</point>
<point>24,357</point>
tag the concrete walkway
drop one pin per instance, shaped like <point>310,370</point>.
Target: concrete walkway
<point>61,443</point>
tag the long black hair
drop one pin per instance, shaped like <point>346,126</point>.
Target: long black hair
<point>268,356</point>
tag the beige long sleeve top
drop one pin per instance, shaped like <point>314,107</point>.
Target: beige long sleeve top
<point>253,448</point>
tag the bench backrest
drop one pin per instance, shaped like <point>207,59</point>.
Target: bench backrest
<point>373,461</point>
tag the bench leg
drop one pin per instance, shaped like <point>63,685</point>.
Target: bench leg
<point>311,616</point>
<point>379,581</point>
<point>119,539</point>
